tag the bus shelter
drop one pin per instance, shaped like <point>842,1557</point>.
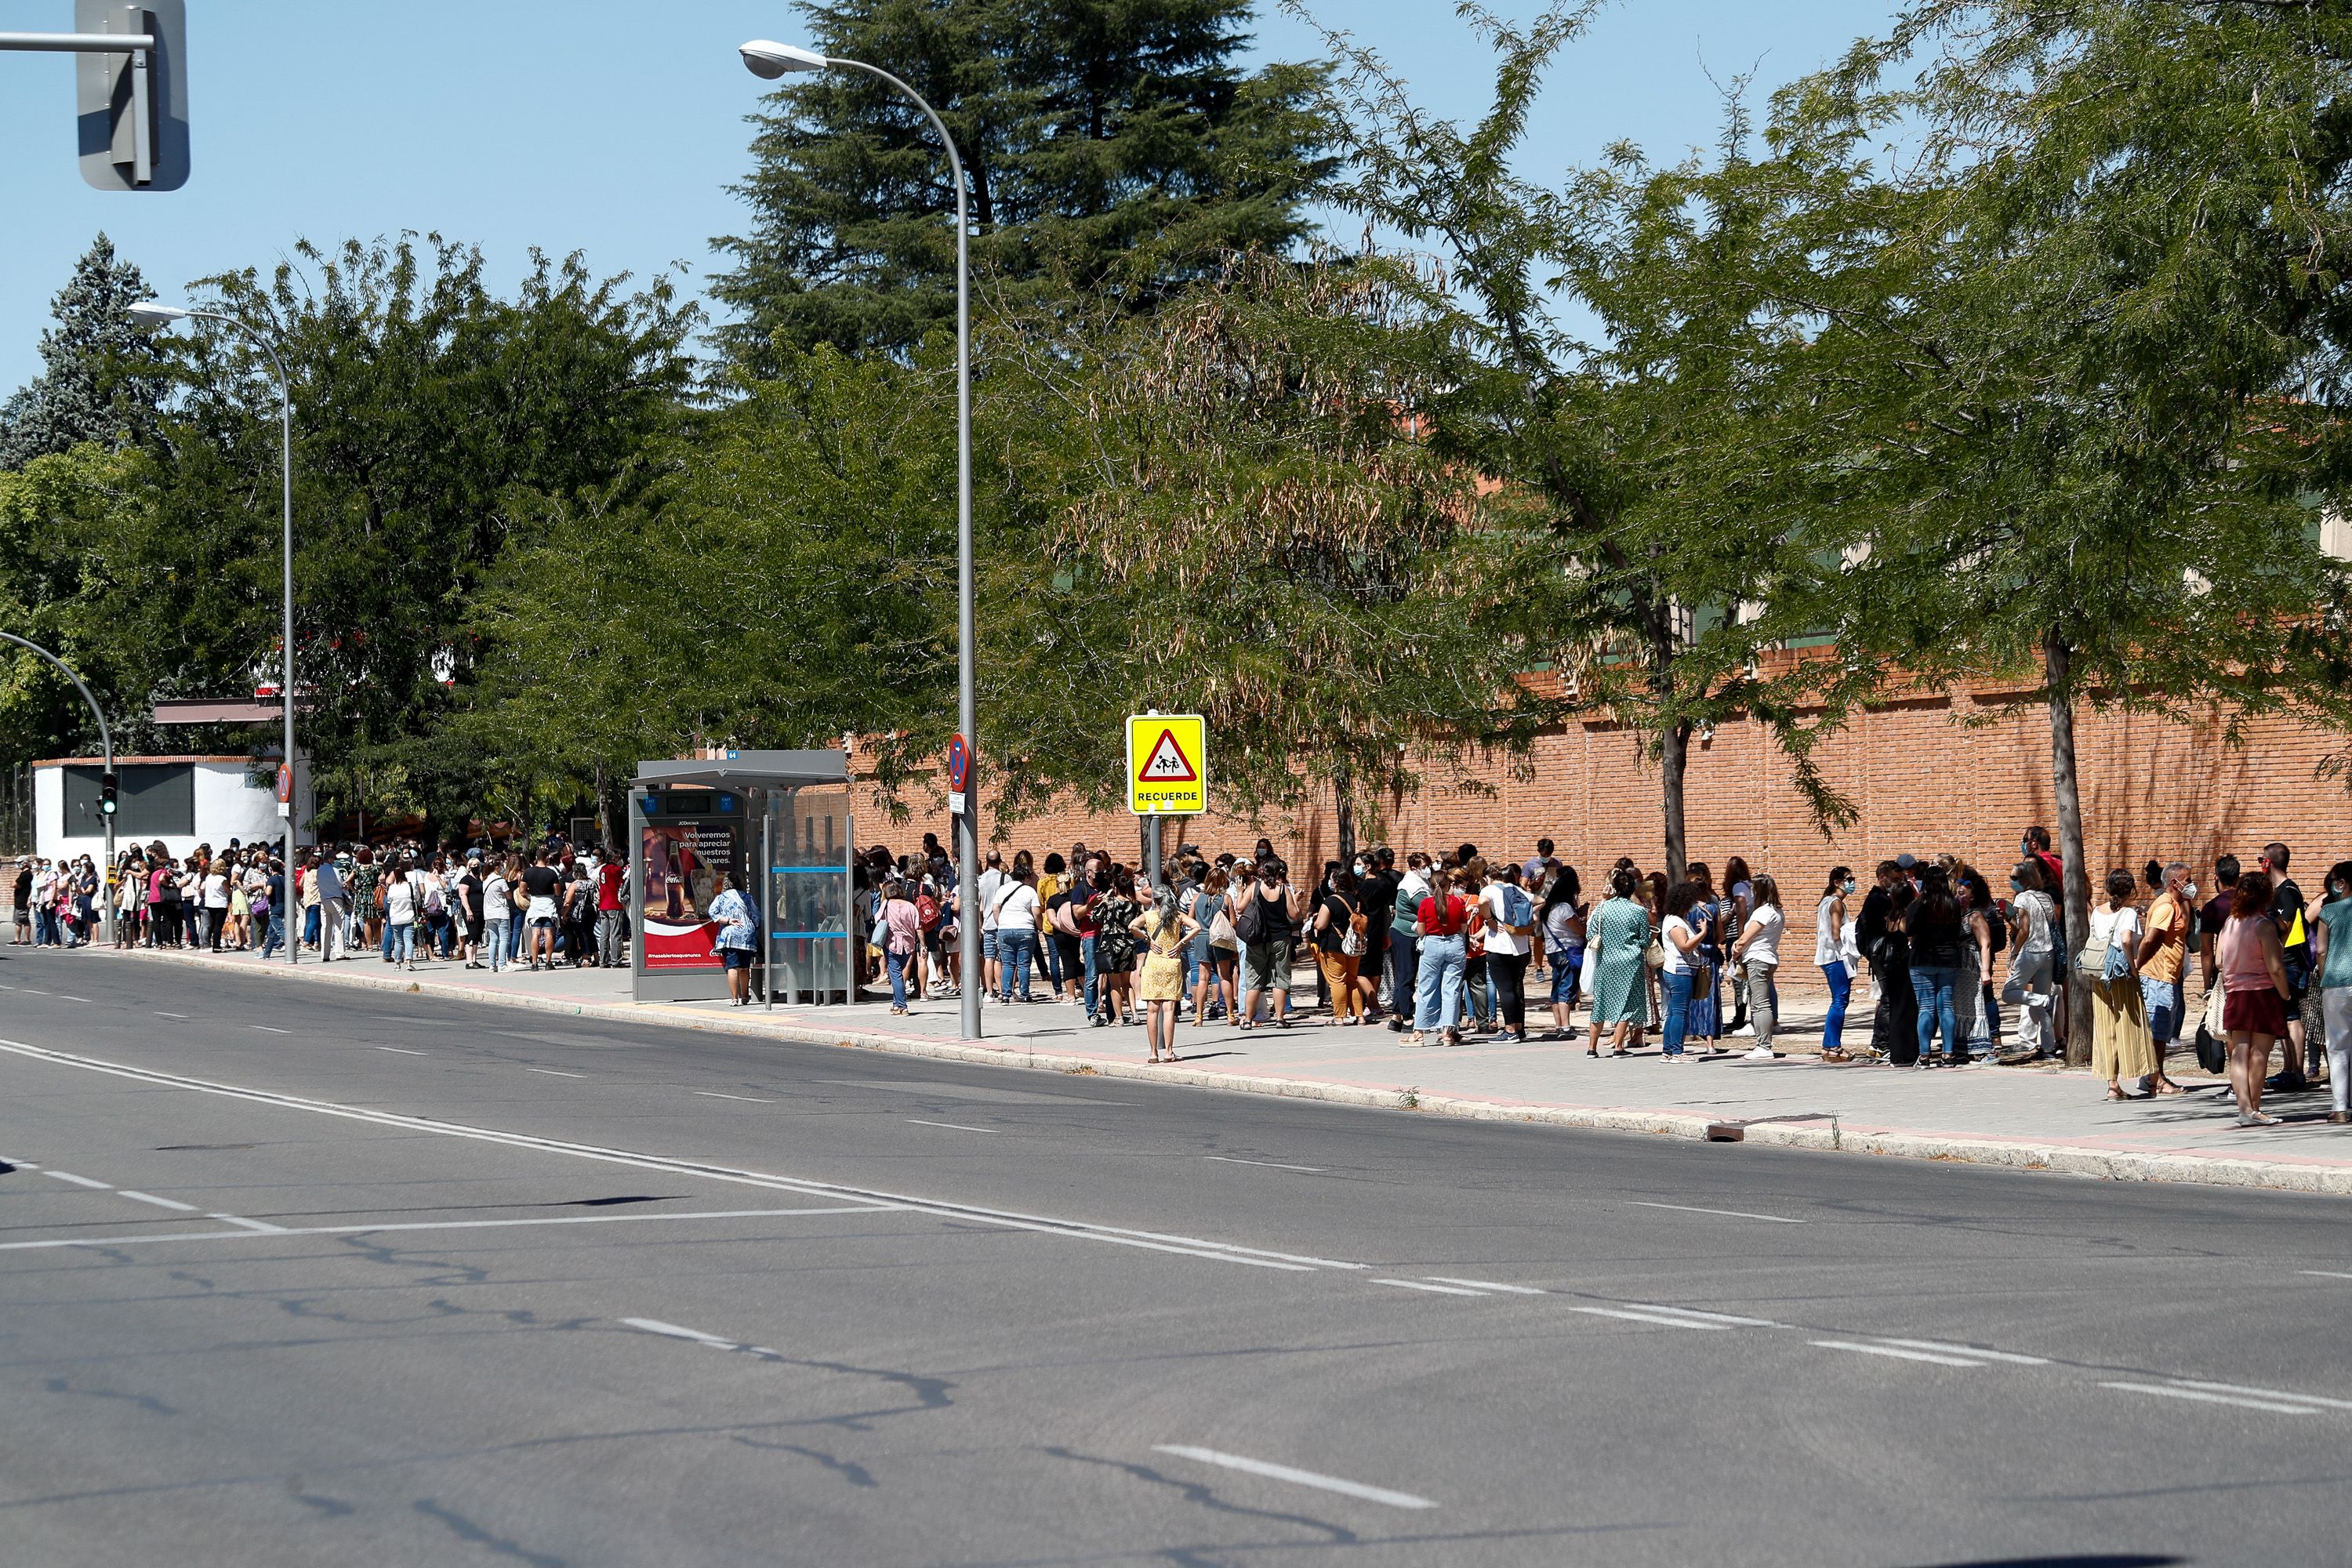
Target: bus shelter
<point>779,823</point>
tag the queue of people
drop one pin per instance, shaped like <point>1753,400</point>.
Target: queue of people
<point>1443,947</point>
<point>485,907</point>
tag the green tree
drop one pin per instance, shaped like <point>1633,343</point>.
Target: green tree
<point>1111,145</point>
<point>100,380</point>
<point>2099,366</point>
<point>431,413</point>
<point>1641,385</point>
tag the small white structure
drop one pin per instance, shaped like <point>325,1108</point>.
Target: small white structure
<point>183,801</point>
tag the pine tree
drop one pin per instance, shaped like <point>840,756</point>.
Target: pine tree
<point>1111,146</point>
<point>100,380</point>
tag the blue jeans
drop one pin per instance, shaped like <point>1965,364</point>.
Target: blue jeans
<point>1049,962</point>
<point>1840,987</point>
<point>1404,969</point>
<point>45,926</point>
<point>1677,988</point>
<point>1564,967</point>
<point>896,964</point>
<point>310,926</point>
<point>495,944</point>
<point>1438,997</point>
<point>1087,951</point>
<point>1932,984</point>
<point>401,940</point>
<point>277,937</point>
<point>1015,951</point>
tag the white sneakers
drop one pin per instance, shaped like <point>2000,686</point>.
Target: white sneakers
<point>1760,1054</point>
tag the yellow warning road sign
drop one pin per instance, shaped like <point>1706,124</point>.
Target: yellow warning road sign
<point>1167,763</point>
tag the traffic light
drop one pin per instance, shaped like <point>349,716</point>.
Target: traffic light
<point>106,790</point>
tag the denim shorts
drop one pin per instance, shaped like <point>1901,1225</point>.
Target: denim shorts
<point>1564,967</point>
<point>2161,999</point>
<point>987,943</point>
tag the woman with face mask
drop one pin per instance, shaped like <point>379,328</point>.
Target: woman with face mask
<point>1829,953</point>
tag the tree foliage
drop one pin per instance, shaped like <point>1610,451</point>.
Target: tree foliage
<point>99,381</point>
<point>1112,146</point>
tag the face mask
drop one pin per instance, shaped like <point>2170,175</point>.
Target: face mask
<point>2188,891</point>
<point>1849,885</point>
<point>2015,886</point>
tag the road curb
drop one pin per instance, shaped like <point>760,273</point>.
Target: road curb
<point>2018,1155</point>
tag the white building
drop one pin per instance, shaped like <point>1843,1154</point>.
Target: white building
<point>183,801</point>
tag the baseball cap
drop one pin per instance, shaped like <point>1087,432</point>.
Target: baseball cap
<point>1906,860</point>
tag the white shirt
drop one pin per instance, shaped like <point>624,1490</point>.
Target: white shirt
<point>1677,961</point>
<point>2115,928</point>
<point>990,881</point>
<point>1015,908</point>
<point>494,898</point>
<point>215,891</point>
<point>399,901</point>
<point>1828,946</point>
<point>1497,939</point>
<point>1764,947</point>
<point>2037,908</point>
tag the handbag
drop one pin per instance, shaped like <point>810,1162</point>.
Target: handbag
<point>1654,955</point>
<point>2212,1038</point>
<point>1222,935</point>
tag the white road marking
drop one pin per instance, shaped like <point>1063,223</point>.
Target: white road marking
<point>713,1094</point>
<point>1042,1225</point>
<point>159,1203</point>
<point>951,1126</point>
<point>272,1030</point>
<point>396,1051</point>
<point>2008,1356</point>
<point>2272,1405</point>
<point>1707,1317</point>
<point>2323,1274</point>
<point>1438,1289</point>
<point>258,1226</point>
<point>1486,1285</point>
<point>1269,1165</point>
<point>80,1181</point>
<point>83,1000</point>
<point>30,992</point>
<point>1890,1351</point>
<point>1725,1214</point>
<point>261,1231</point>
<point>1661,1320</point>
<point>1297,1477</point>
<point>553,1073</point>
<point>163,1014</point>
<point>2295,1397</point>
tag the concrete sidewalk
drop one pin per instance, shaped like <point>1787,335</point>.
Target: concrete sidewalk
<point>2031,1118</point>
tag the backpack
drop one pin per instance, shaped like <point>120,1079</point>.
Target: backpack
<point>1997,922</point>
<point>1518,914</point>
<point>1250,925</point>
<point>927,911</point>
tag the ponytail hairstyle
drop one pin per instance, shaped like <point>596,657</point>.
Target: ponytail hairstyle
<point>1765,889</point>
<point>1838,874</point>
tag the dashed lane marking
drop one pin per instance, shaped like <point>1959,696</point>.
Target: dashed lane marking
<point>1724,1213</point>
<point>2275,1406</point>
<point>747,1100</point>
<point>1488,1285</point>
<point>1726,1317</point>
<point>396,1051</point>
<point>159,1203</point>
<point>553,1073</point>
<point>2297,1396</point>
<point>1929,1356</point>
<point>1660,1319</point>
<point>1296,1477</point>
<point>1434,1289</point>
<point>80,1181</point>
<point>2008,1356</point>
<point>953,1126</point>
<point>272,1030</point>
<point>1269,1165</point>
<point>257,1231</point>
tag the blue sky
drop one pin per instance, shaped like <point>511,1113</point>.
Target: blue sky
<point>612,127</point>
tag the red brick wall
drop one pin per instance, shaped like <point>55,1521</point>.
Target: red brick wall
<point>1922,780</point>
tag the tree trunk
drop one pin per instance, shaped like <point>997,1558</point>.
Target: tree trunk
<point>2059,660</point>
<point>1673,752</point>
<point>1344,814</point>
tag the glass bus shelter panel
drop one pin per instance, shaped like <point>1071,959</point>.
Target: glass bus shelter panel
<point>809,901</point>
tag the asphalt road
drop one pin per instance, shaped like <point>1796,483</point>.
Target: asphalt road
<point>297,1274</point>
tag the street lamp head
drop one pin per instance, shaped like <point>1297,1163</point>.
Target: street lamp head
<point>766,58</point>
<point>155,313</point>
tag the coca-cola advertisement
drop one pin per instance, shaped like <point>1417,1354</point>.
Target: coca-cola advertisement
<point>682,862</point>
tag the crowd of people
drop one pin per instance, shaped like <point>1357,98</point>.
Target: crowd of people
<point>1439,947</point>
<point>484,908</point>
<point>1445,946</point>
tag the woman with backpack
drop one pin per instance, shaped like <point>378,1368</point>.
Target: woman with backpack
<point>1339,924</point>
<point>1216,950</point>
<point>1510,919</point>
<point>1268,928</point>
<point>2121,1046</point>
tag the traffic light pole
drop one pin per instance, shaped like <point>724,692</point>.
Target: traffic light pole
<point>106,789</point>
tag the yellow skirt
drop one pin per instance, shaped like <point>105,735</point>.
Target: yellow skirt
<point>2121,1046</point>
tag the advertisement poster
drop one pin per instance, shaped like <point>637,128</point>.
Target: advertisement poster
<point>682,861</point>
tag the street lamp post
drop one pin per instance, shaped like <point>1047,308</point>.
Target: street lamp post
<point>155,313</point>
<point>769,60</point>
<point>105,804</point>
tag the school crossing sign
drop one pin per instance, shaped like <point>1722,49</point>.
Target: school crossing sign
<point>1167,765</point>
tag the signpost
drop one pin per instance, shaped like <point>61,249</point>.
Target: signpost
<point>285,790</point>
<point>958,770</point>
<point>1167,771</point>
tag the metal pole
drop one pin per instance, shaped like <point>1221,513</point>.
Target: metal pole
<point>768,903</point>
<point>106,740</point>
<point>967,827</point>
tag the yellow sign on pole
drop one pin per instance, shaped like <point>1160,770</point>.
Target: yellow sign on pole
<point>1167,765</point>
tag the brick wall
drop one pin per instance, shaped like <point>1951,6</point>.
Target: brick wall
<point>1929,775</point>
